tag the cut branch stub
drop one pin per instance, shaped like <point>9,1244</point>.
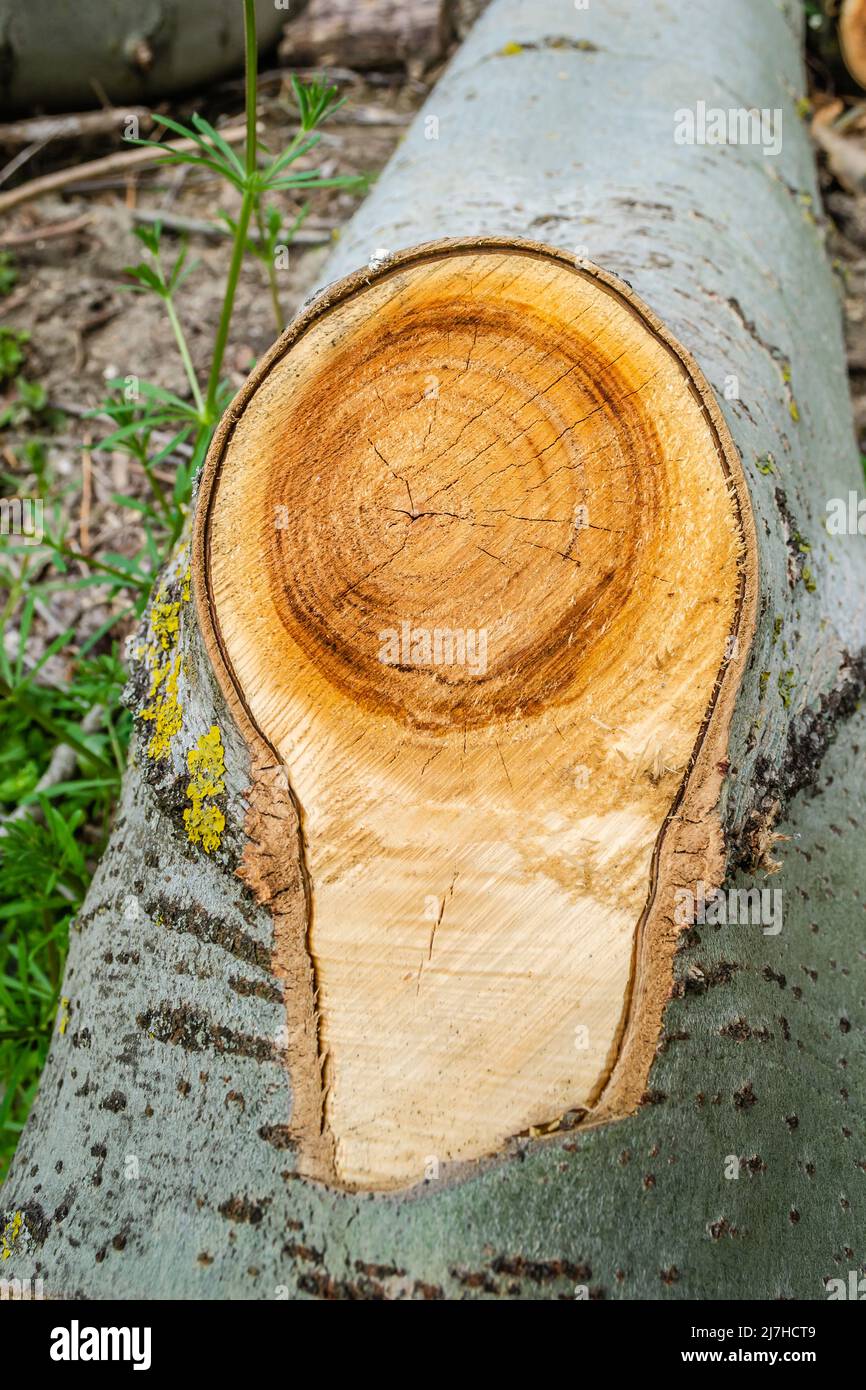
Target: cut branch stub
<point>474,561</point>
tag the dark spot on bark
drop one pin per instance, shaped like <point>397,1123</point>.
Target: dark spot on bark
<point>792,1122</point>
<point>720,1228</point>
<point>321,1285</point>
<point>307,1253</point>
<point>243,1209</point>
<point>745,1098</point>
<point>689,937</point>
<point>428,1291</point>
<point>540,1271</point>
<point>741,1031</point>
<point>810,735</point>
<point>793,1216</point>
<point>37,1223</point>
<point>720,974</point>
<point>115,1102</point>
<point>374,1271</point>
<point>280,1136</point>
<point>793,539</point>
<point>653,1097</point>
<point>184,1027</point>
<point>475,1279</point>
<point>269,990</point>
<point>192,918</point>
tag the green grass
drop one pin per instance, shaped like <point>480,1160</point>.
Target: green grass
<point>51,840</point>
<point>48,857</point>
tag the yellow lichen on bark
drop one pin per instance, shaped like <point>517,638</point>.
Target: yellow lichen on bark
<point>204,820</point>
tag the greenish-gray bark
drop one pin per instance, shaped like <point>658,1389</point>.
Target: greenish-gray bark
<point>157,1162</point>
<point>64,56</point>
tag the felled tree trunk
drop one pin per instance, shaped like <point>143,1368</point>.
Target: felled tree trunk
<point>389,984</point>
<point>58,56</point>
<point>364,34</point>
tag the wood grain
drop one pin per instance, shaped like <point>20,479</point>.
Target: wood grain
<point>484,444</point>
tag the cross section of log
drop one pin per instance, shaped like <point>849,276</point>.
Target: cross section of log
<point>474,545</point>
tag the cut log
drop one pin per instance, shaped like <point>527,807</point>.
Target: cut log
<point>852,38</point>
<point>237,1050</point>
<point>498,566</point>
<point>369,34</point>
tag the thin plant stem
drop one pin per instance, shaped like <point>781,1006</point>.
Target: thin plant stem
<point>69,554</point>
<point>180,339</point>
<point>154,482</point>
<point>279,320</point>
<point>251,75</point>
<point>247,203</point>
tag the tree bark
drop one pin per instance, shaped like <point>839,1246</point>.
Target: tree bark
<point>56,56</point>
<point>168,1152</point>
<point>369,34</point>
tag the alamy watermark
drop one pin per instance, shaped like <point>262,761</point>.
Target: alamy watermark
<point>847,516</point>
<point>21,1290</point>
<point>853,1289</point>
<point>22,516</point>
<point>756,907</point>
<point>740,125</point>
<point>77,1343</point>
<point>437,646</point>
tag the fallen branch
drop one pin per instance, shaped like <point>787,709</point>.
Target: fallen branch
<point>76,125</point>
<point>121,161</point>
<point>47,231</point>
<point>370,34</point>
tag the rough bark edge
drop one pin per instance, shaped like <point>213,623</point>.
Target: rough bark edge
<point>692,829</point>
<point>272,821</point>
